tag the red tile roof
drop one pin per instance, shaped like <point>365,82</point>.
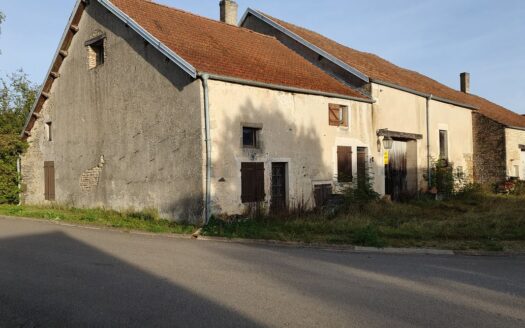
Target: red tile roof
<point>218,48</point>
<point>380,69</point>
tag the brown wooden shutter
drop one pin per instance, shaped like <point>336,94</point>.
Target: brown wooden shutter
<point>362,166</point>
<point>333,114</point>
<point>321,194</point>
<point>49,180</point>
<point>344,164</point>
<point>252,182</point>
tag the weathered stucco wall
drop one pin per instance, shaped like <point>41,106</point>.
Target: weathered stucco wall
<point>405,112</point>
<point>489,150</point>
<point>515,147</point>
<point>295,130</point>
<point>138,111</point>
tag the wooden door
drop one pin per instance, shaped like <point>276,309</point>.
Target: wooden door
<point>396,171</point>
<point>344,164</point>
<point>278,201</point>
<point>49,181</point>
<point>362,174</point>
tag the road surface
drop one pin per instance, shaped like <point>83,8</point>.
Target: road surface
<point>58,276</point>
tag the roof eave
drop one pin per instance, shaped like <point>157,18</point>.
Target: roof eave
<point>424,95</point>
<point>279,87</point>
<point>305,43</point>
<point>57,53</point>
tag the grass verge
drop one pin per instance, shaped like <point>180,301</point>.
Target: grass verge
<point>147,220</point>
<point>477,222</point>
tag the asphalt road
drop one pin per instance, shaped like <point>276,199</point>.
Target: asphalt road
<point>57,276</point>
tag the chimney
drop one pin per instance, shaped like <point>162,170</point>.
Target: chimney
<point>229,11</point>
<point>465,82</point>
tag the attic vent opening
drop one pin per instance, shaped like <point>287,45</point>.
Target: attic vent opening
<point>96,51</point>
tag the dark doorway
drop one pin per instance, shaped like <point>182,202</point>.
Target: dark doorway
<point>278,202</point>
<point>362,168</point>
<point>396,171</point>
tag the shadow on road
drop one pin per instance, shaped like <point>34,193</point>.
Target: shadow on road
<point>52,280</point>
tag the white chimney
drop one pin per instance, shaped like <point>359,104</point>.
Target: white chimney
<point>229,11</point>
<point>465,82</point>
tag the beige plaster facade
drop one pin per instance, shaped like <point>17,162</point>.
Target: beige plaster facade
<point>294,130</point>
<point>405,112</point>
<point>515,149</point>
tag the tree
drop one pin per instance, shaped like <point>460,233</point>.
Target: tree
<point>17,95</point>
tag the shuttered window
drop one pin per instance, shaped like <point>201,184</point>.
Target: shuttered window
<point>252,180</point>
<point>443,144</point>
<point>49,180</point>
<point>337,115</point>
<point>344,164</point>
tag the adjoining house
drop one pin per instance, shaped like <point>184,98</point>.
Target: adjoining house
<point>498,138</point>
<point>147,106</point>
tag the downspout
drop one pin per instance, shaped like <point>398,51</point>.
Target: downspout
<point>429,169</point>
<point>207,139</point>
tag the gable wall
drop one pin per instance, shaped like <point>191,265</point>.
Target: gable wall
<point>257,25</point>
<point>139,111</point>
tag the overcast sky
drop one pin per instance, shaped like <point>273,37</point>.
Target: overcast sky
<point>439,38</point>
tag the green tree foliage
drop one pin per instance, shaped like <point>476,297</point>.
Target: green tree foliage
<point>11,146</point>
<point>17,95</point>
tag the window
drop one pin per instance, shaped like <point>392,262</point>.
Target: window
<point>322,193</point>
<point>96,53</point>
<point>250,137</point>
<point>252,181</point>
<point>49,181</point>
<point>337,115</point>
<point>443,144</point>
<point>344,164</point>
<point>49,131</point>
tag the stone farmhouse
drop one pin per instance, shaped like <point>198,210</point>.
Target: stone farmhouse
<point>147,106</point>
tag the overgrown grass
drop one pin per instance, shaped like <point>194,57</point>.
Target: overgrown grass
<point>147,220</point>
<point>471,221</point>
<point>474,220</point>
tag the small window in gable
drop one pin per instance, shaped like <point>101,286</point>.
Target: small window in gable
<point>49,131</point>
<point>96,51</point>
<point>337,115</point>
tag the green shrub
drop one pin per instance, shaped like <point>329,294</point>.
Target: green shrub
<point>368,236</point>
<point>11,146</point>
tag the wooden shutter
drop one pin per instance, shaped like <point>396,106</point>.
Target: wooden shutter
<point>333,115</point>
<point>337,115</point>
<point>49,180</point>
<point>252,181</point>
<point>362,166</point>
<point>344,164</point>
<point>322,193</point>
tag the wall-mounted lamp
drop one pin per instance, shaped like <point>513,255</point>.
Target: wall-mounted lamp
<point>388,142</point>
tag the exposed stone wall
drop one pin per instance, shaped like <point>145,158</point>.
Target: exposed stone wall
<point>489,150</point>
<point>90,178</point>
